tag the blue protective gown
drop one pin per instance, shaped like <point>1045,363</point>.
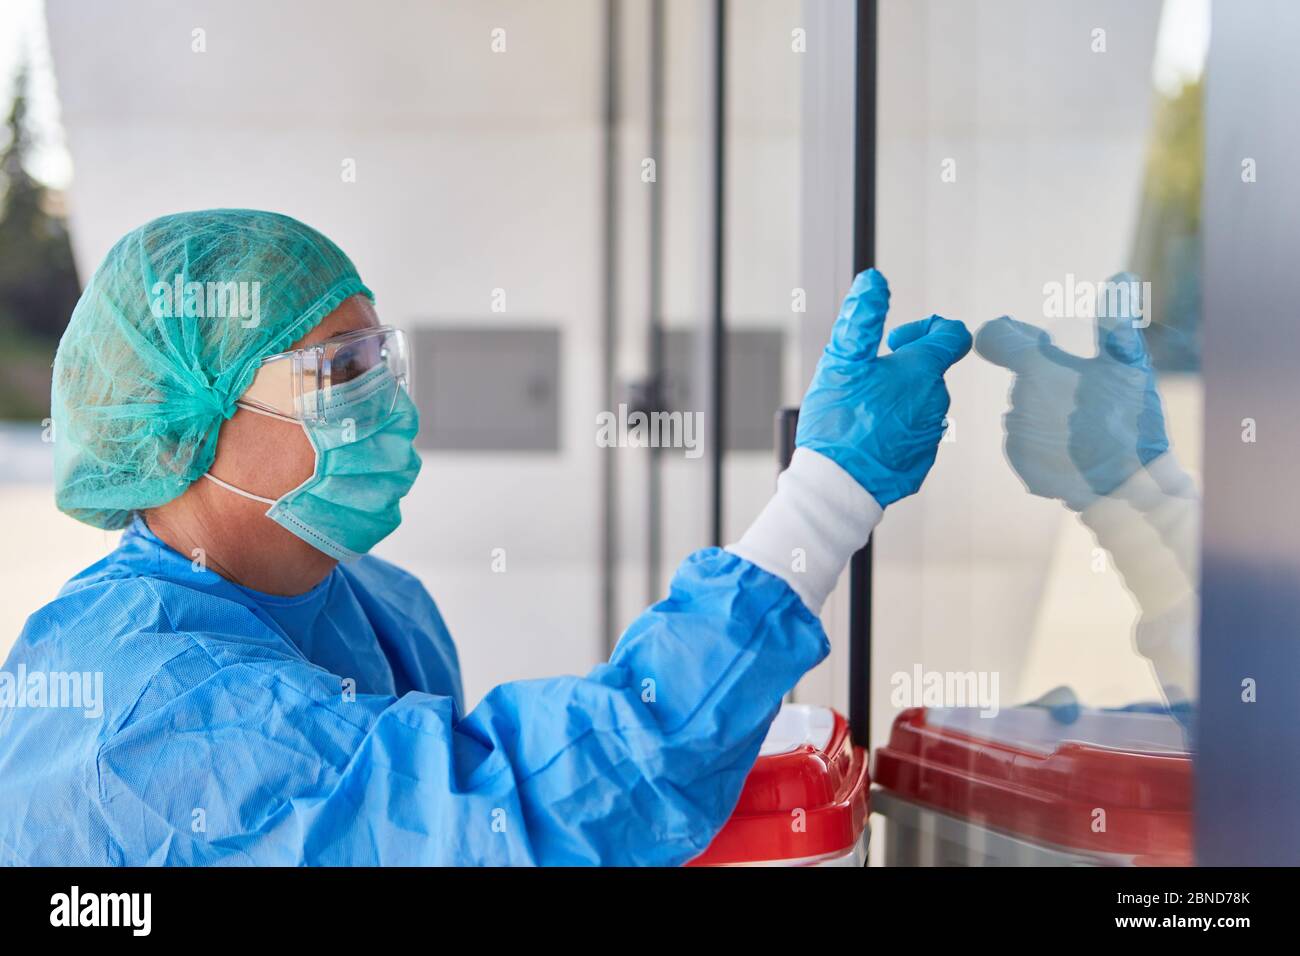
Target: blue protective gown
<point>229,731</point>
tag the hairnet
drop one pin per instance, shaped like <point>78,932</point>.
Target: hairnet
<point>165,338</point>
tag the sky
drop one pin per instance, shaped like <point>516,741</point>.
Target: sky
<point>1181,44</point>
<point>22,38</point>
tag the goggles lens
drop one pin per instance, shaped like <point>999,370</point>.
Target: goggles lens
<point>319,383</point>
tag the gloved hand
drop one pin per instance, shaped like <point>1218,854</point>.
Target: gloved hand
<point>878,417</point>
<point>1078,428</point>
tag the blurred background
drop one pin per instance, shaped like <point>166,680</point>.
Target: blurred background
<point>579,204</point>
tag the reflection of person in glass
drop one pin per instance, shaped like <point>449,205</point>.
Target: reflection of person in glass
<point>1091,433</point>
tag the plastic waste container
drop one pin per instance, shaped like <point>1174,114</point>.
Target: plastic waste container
<point>805,802</point>
<point>1023,789</point>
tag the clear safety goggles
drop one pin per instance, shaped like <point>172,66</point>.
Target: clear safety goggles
<point>306,385</point>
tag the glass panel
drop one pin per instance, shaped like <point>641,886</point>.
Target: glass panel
<point>1041,588</point>
<point>762,298</point>
<point>765,299</point>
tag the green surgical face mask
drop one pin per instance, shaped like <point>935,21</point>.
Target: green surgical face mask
<point>365,464</point>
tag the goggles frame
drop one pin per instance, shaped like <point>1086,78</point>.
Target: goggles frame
<point>305,376</point>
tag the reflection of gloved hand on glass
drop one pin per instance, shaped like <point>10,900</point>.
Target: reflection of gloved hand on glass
<point>1091,433</point>
<point>1078,428</point>
<point>1065,707</point>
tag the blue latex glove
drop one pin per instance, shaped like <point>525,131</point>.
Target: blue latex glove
<point>878,417</point>
<point>1078,428</point>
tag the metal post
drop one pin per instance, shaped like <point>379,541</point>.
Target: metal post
<point>864,255</point>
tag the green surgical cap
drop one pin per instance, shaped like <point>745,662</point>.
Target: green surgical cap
<point>167,335</point>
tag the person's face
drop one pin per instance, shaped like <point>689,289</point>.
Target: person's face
<point>269,457</point>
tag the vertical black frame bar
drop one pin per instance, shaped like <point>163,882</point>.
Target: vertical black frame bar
<point>655,342</point>
<point>864,256</point>
<point>718,327</point>
<point>609,330</point>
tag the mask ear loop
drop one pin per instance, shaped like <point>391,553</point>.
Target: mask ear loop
<point>240,491</point>
<point>262,411</point>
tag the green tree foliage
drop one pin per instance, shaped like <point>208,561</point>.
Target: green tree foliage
<point>1167,250</point>
<point>38,280</point>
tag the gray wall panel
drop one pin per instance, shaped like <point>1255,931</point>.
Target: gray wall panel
<point>1248,775</point>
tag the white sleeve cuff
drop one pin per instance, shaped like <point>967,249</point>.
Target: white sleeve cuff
<point>1161,479</point>
<point>814,523</point>
<point>1151,526</point>
<point>1168,641</point>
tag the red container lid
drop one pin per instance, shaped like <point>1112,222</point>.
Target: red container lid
<point>805,797</point>
<point>1049,790</point>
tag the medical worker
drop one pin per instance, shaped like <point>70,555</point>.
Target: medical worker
<point>271,694</point>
